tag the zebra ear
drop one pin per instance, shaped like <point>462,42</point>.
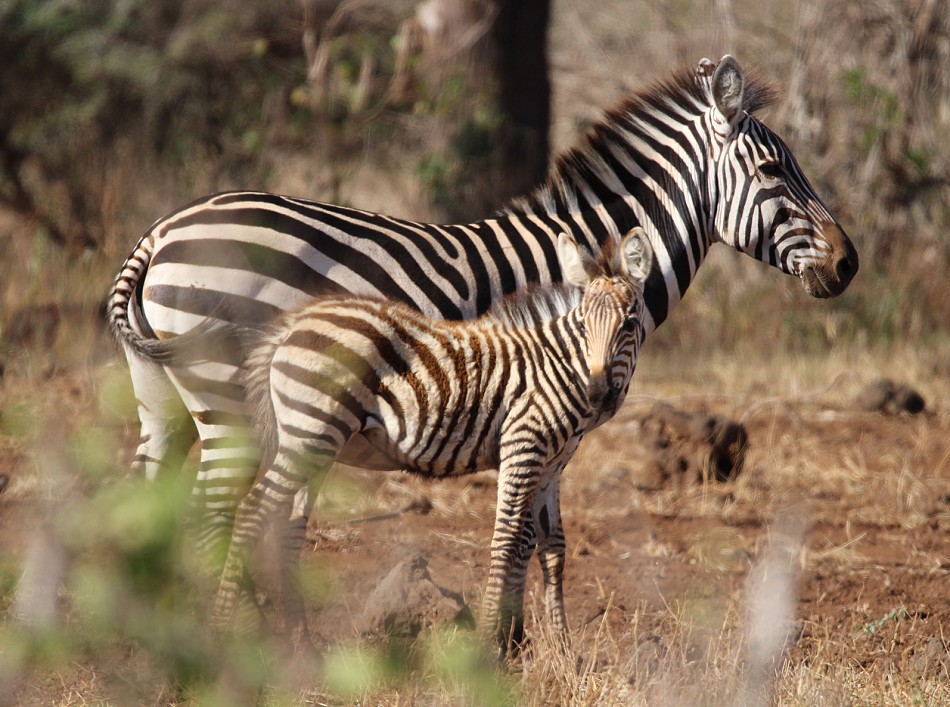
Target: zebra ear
<point>637,254</point>
<point>578,268</point>
<point>728,84</point>
<point>704,71</point>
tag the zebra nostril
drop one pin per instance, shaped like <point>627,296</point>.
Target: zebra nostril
<point>844,269</point>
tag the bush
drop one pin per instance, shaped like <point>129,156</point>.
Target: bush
<point>90,84</point>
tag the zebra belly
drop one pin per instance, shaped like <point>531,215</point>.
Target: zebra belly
<point>363,453</point>
<point>374,449</point>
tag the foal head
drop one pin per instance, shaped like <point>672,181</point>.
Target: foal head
<point>611,309</point>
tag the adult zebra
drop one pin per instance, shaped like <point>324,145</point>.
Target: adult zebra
<point>686,160</point>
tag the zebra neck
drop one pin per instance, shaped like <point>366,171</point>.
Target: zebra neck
<point>627,176</point>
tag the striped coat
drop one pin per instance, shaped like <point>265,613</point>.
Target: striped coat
<point>516,390</point>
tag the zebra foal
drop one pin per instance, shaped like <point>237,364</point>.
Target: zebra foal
<point>516,390</point>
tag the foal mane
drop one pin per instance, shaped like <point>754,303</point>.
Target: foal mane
<point>535,305</point>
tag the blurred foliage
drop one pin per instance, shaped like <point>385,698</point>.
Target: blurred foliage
<point>446,664</point>
<point>88,84</point>
<point>133,614</point>
<point>131,594</point>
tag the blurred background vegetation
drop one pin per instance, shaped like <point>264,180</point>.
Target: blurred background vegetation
<point>117,112</point>
<point>114,112</point>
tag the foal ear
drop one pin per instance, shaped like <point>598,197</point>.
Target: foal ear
<point>578,268</point>
<point>637,254</point>
<point>728,85</point>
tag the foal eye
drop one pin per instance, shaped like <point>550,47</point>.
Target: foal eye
<point>771,170</point>
<point>630,323</point>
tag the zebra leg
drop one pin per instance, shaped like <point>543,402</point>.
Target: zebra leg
<point>235,608</point>
<point>293,536</point>
<point>517,580</point>
<point>269,500</point>
<point>546,512</point>
<point>503,604</point>
<point>166,431</point>
<point>230,455</point>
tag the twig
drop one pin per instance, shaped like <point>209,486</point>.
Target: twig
<point>421,505</point>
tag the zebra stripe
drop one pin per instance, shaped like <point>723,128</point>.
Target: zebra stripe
<point>516,390</point>
<point>686,160</point>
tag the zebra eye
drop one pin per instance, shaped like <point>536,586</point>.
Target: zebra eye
<point>630,323</point>
<point>771,170</point>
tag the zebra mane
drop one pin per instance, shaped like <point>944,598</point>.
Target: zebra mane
<point>535,305</point>
<point>680,93</point>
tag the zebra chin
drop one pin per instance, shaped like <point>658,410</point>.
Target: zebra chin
<point>819,284</point>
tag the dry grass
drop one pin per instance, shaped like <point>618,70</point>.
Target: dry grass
<point>851,482</point>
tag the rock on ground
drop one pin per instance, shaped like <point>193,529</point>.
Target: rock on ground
<point>407,602</point>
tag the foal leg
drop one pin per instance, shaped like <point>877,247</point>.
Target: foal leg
<point>503,609</point>
<point>546,511</point>
<point>293,537</point>
<point>269,499</point>
<point>514,628</point>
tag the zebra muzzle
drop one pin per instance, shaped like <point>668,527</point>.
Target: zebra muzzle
<point>600,393</point>
<point>603,399</point>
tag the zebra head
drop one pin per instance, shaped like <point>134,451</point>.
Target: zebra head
<point>611,309</point>
<point>762,203</point>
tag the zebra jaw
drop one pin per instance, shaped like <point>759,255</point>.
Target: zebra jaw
<point>818,285</point>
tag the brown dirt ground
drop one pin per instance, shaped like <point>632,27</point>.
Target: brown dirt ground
<point>870,492</point>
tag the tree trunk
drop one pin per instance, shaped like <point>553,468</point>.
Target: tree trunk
<point>524,93</point>
<point>486,61</point>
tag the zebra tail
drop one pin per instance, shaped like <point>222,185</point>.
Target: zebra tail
<point>260,406</point>
<point>124,307</point>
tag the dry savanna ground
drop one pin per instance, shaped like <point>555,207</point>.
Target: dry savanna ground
<point>818,574</point>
